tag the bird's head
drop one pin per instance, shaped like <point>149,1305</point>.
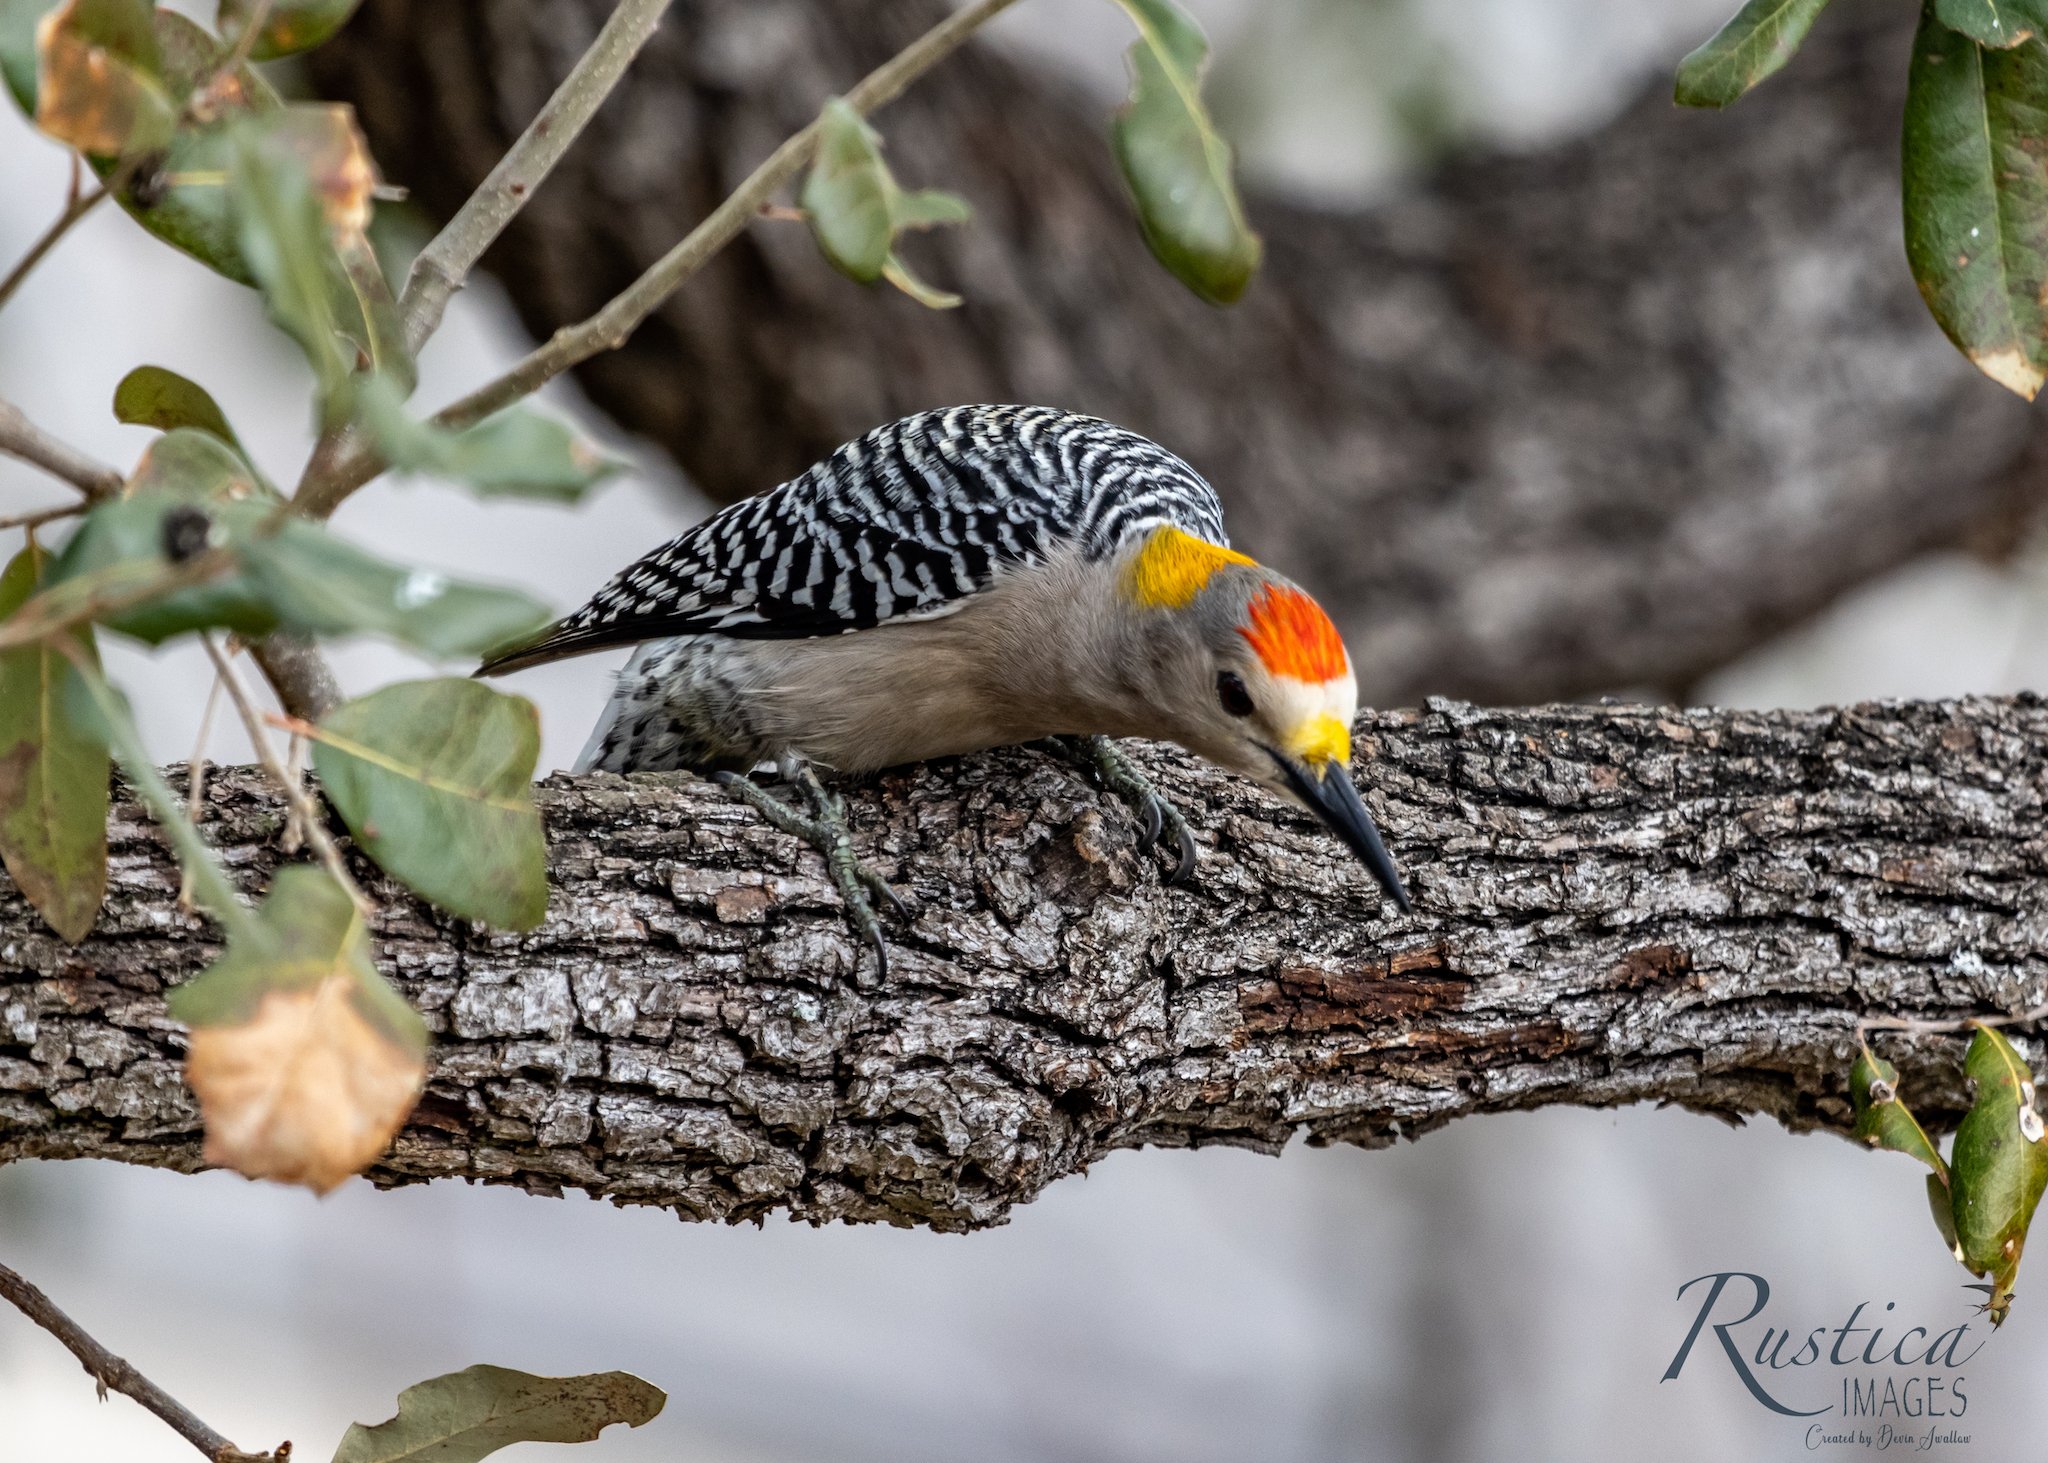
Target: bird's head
<point>1259,680</point>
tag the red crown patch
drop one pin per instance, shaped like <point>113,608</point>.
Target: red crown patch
<point>1293,637</point>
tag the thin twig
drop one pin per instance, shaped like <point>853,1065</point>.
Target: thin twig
<point>442,266</point>
<point>195,780</point>
<point>19,437</point>
<point>294,768</point>
<point>112,1374</point>
<point>445,263</point>
<point>610,326</point>
<point>288,781</point>
<point>76,207</point>
<point>1915,1026</point>
<point>321,492</point>
<point>42,516</point>
<point>245,42</point>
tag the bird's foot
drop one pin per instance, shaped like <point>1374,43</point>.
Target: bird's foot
<point>825,829</point>
<point>1161,818</point>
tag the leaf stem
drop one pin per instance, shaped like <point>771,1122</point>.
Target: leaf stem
<point>112,1374</point>
<point>439,270</point>
<point>320,494</point>
<point>245,41</point>
<point>289,783</point>
<point>19,437</point>
<point>41,516</point>
<point>103,592</point>
<point>75,208</point>
<point>195,779</point>
<point>210,886</point>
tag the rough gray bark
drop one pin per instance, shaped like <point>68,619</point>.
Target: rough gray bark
<point>1598,416</point>
<point>1615,904</point>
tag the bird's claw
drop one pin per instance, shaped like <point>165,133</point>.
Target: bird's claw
<point>1162,820</point>
<point>1184,838</point>
<point>825,830</point>
<point>879,885</point>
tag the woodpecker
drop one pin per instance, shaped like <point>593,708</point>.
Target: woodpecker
<point>961,579</point>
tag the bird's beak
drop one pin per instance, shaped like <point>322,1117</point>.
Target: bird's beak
<point>1330,795</point>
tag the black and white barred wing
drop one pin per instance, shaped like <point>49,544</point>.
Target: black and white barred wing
<point>904,523</point>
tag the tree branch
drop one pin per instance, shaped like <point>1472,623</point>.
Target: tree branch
<point>442,266</point>
<point>19,437</point>
<point>1615,904</point>
<point>114,1374</point>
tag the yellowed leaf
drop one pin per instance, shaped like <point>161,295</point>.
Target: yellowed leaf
<point>330,146</point>
<point>304,1059</point>
<point>90,95</point>
<point>305,1092</point>
<point>2011,369</point>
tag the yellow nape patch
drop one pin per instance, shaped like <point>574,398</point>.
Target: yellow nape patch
<point>1320,740</point>
<point>1174,567</point>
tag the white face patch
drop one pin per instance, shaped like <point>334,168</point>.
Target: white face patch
<point>1312,721</point>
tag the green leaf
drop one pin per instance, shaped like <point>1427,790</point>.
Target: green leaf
<point>291,26</point>
<point>373,325</point>
<point>846,194</point>
<point>1177,165</point>
<point>18,22</point>
<point>288,571</point>
<point>1760,39</point>
<point>304,1059</point>
<point>1975,181</point>
<point>184,200</point>
<point>300,184</point>
<point>1998,1167</point>
<point>470,1414</point>
<point>151,396</point>
<point>53,773</point>
<point>322,585</point>
<point>99,84</point>
<point>857,209</point>
<point>124,542</point>
<point>283,239</point>
<point>928,208</point>
<point>435,780</point>
<point>516,452</point>
<point>1882,1120</point>
<point>1942,1205</point>
<point>2000,24</point>
<point>898,274</point>
<point>318,146</point>
<point>307,930</point>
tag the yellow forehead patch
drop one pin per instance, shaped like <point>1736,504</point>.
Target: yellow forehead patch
<point>1173,568</point>
<point>1322,739</point>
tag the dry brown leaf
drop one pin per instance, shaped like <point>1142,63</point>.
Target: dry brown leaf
<point>307,1091</point>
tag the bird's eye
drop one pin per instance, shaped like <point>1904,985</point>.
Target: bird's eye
<point>1232,695</point>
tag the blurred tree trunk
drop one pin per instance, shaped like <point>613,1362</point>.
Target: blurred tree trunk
<point>1602,415</point>
<point>1613,905</point>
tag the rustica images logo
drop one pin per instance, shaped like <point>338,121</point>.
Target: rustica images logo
<point>1872,1380</point>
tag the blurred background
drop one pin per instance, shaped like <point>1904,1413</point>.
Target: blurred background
<point>1503,1288</point>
